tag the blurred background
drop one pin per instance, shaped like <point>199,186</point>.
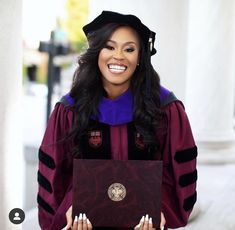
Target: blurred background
<point>39,45</point>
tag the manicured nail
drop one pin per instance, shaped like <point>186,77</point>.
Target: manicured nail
<point>84,216</point>
<point>142,219</point>
<point>88,221</point>
<point>147,217</point>
<point>150,220</point>
<point>80,216</point>
<point>137,226</point>
<point>76,219</point>
<point>162,228</point>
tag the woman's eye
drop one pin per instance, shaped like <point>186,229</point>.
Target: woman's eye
<point>129,50</point>
<point>109,47</point>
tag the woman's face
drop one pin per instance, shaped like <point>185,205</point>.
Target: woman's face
<point>119,58</point>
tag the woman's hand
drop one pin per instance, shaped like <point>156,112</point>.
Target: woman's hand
<point>163,221</point>
<point>69,218</point>
<point>80,223</point>
<point>147,224</point>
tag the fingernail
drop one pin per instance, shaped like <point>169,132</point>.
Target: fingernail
<point>147,217</point>
<point>80,216</point>
<point>84,216</point>
<point>76,219</point>
<point>142,219</point>
<point>88,221</point>
<point>137,226</point>
<point>162,228</point>
<point>150,220</point>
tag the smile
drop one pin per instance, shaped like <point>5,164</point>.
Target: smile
<point>117,68</point>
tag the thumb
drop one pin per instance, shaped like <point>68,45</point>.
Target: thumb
<point>69,218</point>
<point>163,221</point>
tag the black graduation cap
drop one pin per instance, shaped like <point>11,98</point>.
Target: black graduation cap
<point>107,17</point>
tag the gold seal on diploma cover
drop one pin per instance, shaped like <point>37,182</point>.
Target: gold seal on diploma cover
<point>116,192</point>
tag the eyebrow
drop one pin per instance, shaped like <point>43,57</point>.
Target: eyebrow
<point>126,43</point>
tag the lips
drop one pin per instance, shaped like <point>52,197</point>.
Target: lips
<point>117,68</point>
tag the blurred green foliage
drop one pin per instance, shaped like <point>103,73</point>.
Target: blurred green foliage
<point>77,17</point>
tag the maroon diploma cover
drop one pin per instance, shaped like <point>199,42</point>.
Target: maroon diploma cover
<point>115,193</point>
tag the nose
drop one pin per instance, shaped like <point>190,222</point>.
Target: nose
<point>118,54</point>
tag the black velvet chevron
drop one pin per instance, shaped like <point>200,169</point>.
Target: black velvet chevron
<point>46,159</point>
<point>186,155</point>
<point>44,182</point>
<point>188,179</point>
<point>190,201</point>
<point>45,205</point>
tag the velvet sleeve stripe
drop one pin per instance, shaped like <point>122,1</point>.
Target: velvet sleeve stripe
<point>44,182</point>
<point>190,201</point>
<point>46,159</point>
<point>45,205</point>
<point>188,179</point>
<point>186,155</point>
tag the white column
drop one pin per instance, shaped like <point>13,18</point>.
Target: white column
<point>11,156</point>
<point>210,71</point>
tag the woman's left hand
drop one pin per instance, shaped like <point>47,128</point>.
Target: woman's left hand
<point>147,224</point>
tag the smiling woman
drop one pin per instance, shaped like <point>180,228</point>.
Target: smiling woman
<point>117,109</point>
<point>118,60</point>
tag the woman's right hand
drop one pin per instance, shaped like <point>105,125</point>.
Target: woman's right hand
<point>79,223</point>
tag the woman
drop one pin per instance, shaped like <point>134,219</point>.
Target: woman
<point>116,94</point>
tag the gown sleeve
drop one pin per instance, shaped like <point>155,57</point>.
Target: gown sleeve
<point>179,167</point>
<point>55,170</point>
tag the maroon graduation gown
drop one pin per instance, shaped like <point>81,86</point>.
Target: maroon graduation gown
<point>179,161</point>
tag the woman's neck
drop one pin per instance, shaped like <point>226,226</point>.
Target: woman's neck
<point>115,91</point>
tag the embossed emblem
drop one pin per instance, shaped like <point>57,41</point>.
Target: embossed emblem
<point>116,192</point>
<point>95,138</point>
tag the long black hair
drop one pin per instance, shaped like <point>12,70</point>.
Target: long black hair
<point>87,90</point>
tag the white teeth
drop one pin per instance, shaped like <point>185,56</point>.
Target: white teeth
<point>116,71</point>
<point>117,68</point>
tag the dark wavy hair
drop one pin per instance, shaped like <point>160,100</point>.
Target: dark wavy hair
<point>87,90</point>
